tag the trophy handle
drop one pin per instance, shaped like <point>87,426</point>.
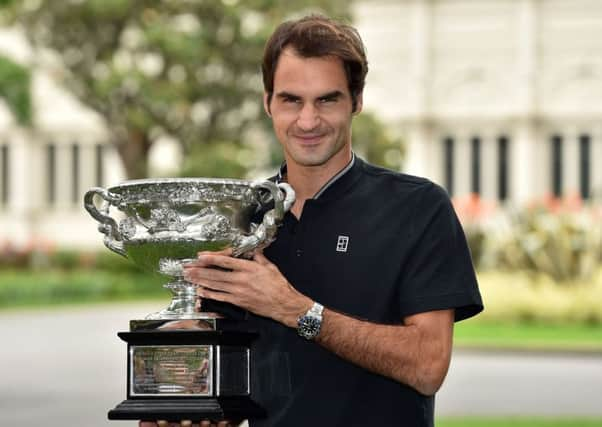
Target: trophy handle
<point>107,226</point>
<point>265,232</point>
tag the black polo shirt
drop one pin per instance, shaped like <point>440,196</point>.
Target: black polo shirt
<point>376,245</point>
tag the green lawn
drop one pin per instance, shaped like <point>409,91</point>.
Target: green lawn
<point>517,422</point>
<point>528,336</point>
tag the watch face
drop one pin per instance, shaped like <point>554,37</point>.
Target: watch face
<point>309,326</point>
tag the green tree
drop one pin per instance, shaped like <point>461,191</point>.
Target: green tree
<point>373,141</point>
<point>180,68</point>
<point>15,84</point>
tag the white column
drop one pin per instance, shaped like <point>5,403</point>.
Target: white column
<point>63,171</point>
<point>87,176</point>
<point>523,160</point>
<point>489,167</point>
<point>417,157</point>
<point>113,169</point>
<point>462,165</point>
<point>570,164</point>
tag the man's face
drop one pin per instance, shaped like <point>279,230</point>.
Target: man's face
<point>311,110</point>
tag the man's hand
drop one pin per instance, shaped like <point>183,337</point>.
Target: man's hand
<point>255,285</point>
<point>186,423</point>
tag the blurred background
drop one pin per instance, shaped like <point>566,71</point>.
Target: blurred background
<point>498,101</point>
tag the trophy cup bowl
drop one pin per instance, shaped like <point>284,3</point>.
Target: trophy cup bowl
<point>163,223</point>
<point>185,363</point>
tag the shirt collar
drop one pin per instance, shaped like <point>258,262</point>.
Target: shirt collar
<point>282,176</point>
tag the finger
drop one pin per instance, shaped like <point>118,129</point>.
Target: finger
<point>147,424</point>
<point>216,295</point>
<point>205,423</point>
<point>225,252</point>
<point>206,274</point>
<point>224,424</point>
<point>227,262</point>
<point>162,423</point>
<point>186,423</point>
<point>259,257</point>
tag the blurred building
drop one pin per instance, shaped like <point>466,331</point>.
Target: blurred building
<point>502,98</point>
<point>46,168</point>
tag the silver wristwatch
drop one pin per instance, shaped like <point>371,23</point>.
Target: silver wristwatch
<point>308,325</point>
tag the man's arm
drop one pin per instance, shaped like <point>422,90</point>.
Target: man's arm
<point>416,353</point>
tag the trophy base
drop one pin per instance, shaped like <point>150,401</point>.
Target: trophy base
<point>188,370</point>
<point>196,410</point>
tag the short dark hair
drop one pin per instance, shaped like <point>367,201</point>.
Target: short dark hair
<point>318,36</point>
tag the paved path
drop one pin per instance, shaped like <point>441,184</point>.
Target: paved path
<point>66,367</point>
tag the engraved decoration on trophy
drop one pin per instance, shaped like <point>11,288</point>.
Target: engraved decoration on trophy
<point>163,223</point>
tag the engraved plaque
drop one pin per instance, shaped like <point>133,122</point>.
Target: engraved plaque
<point>171,370</point>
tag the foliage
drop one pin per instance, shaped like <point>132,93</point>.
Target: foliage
<point>26,288</point>
<point>38,274</point>
<point>560,239</point>
<point>565,246</point>
<point>15,89</point>
<point>218,160</point>
<point>372,142</point>
<point>187,69</point>
<point>524,297</point>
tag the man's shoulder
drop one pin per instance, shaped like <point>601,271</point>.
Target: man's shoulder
<point>422,187</point>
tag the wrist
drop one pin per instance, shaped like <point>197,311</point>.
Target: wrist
<point>295,309</point>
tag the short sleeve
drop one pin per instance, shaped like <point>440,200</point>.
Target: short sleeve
<point>438,274</point>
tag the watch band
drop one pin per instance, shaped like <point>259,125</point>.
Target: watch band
<point>315,309</point>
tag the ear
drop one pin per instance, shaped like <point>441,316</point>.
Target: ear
<point>266,104</point>
<point>359,105</point>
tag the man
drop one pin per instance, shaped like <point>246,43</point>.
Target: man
<point>355,300</point>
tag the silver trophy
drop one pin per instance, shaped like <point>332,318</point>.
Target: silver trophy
<point>161,224</point>
<point>185,362</point>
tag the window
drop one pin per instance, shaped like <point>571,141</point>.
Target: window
<point>502,168</point>
<point>585,145</point>
<point>51,174</point>
<point>448,146</point>
<point>557,165</point>
<point>99,160</point>
<point>75,173</point>
<point>475,170</point>
<point>5,175</point>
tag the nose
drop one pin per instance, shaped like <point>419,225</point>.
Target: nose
<point>309,118</point>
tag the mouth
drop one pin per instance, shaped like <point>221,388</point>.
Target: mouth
<point>309,138</point>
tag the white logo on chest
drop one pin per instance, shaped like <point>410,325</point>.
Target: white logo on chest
<point>342,244</point>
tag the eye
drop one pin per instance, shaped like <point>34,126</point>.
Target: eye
<point>290,100</point>
<point>328,99</point>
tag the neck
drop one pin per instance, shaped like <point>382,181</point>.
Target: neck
<point>308,180</point>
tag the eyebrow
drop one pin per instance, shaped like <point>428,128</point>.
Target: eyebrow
<point>287,95</point>
<point>329,95</point>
